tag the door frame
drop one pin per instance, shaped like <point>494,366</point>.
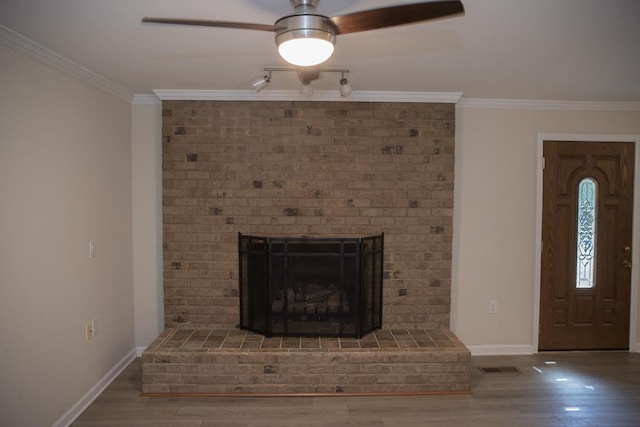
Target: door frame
<point>634,341</point>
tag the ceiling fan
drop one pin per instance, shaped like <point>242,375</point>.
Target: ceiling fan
<point>307,39</point>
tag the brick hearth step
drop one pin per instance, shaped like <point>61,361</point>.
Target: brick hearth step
<point>388,361</point>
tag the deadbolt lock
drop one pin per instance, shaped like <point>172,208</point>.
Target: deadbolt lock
<point>627,249</point>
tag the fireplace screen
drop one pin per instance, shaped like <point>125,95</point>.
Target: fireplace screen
<point>311,286</point>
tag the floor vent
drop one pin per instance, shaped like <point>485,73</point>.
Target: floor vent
<point>498,369</point>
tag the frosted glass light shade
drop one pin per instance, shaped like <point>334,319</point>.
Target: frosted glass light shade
<point>306,40</point>
<point>306,52</point>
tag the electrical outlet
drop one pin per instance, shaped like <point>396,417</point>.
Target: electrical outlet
<point>88,331</point>
<point>493,306</point>
<point>94,327</point>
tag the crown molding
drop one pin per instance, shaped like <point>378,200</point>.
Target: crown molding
<point>294,95</point>
<point>382,96</point>
<point>40,53</point>
<point>145,99</point>
<point>531,104</point>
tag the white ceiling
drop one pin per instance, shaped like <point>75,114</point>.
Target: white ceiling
<point>571,50</point>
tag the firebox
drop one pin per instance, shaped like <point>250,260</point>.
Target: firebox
<point>311,286</point>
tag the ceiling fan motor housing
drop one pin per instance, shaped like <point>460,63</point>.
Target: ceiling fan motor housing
<point>304,26</point>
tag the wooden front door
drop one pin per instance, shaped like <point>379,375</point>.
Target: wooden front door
<point>587,214</point>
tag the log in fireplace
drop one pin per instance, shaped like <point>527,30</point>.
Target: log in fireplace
<point>311,286</point>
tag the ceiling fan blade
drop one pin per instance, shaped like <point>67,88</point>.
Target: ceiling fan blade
<point>205,23</point>
<point>395,15</point>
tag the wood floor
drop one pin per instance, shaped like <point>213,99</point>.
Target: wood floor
<point>548,389</point>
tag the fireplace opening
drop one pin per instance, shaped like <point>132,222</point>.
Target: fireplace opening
<point>311,286</point>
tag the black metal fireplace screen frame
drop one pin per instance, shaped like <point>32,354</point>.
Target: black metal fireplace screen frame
<point>270,299</point>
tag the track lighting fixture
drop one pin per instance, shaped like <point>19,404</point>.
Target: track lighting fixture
<point>306,89</point>
<point>345,87</point>
<point>306,76</point>
<point>261,82</point>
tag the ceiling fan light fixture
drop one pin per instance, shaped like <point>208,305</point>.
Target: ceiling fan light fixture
<point>307,40</point>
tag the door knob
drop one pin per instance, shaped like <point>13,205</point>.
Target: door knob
<point>626,263</point>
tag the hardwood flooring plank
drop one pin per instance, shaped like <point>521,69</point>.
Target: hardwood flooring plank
<point>232,402</point>
<point>431,409</point>
<point>324,421</point>
<point>244,412</point>
<point>128,411</point>
<point>138,423</point>
<point>487,420</point>
<point>600,420</point>
<point>592,405</point>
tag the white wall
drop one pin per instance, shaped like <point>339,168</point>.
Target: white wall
<point>495,217</point>
<point>65,179</point>
<point>147,219</point>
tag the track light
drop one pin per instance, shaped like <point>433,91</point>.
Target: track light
<point>345,87</point>
<point>306,76</point>
<point>261,82</point>
<point>306,89</point>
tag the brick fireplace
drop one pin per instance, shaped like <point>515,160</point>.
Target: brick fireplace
<point>316,169</point>
<point>305,169</point>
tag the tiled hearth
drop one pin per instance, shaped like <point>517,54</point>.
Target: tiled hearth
<point>204,361</point>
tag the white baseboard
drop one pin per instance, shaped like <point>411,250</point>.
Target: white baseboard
<point>500,350</point>
<point>139,351</point>
<point>86,400</point>
<point>513,350</point>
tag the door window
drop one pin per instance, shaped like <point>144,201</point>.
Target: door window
<point>586,217</point>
